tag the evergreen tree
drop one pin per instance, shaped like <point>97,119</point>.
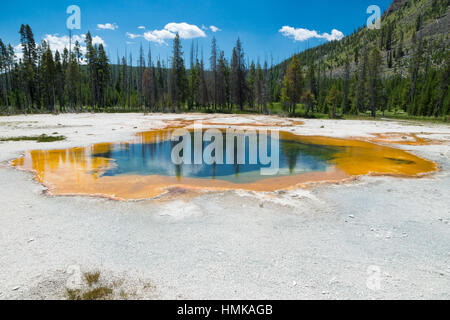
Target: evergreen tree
<point>103,75</point>
<point>293,84</point>
<point>251,84</point>
<point>332,100</point>
<point>361,80</point>
<point>178,80</point>
<point>237,76</point>
<point>213,62</point>
<point>346,101</point>
<point>91,57</point>
<point>29,65</point>
<point>48,81</point>
<point>222,81</point>
<point>374,67</point>
<point>59,81</point>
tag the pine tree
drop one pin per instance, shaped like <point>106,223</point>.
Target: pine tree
<point>374,67</point>
<point>29,65</point>
<point>332,100</point>
<point>414,67</point>
<point>140,74</point>
<point>222,81</point>
<point>251,83</point>
<point>213,62</point>
<point>238,86</point>
<point>361,80</point>
<point>260,87</point>
<point>103,75</point>
<point>91,57</point>
<point>48,81</point>
<point>443,93</point>
<point>265,88</point>
<point>293,84</point>
<point>203,98</point>
<point>59,81</point>
<point>309,101</point>
<point>193,80</point>
<point>346,101</point>
<point>178,83</point>
<point>5,70</point>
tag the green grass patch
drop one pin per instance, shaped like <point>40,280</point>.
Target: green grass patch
<point>40,139</point>
<point>92,277</point>
<point>99,293</point>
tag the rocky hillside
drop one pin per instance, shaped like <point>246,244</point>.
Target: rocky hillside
<point>403,25</point>
<point>396,5</point>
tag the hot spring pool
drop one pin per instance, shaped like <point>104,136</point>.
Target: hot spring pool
<point>144,168</point>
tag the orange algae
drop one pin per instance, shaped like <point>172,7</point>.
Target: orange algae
<point>411,139</point>
<point>75,172</point>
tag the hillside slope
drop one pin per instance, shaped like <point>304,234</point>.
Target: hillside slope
<point>402,67</point>
<point>428,20</point>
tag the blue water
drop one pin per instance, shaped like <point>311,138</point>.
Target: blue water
<point>155,159</point>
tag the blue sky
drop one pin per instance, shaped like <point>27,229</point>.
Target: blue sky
<point>257,23</point>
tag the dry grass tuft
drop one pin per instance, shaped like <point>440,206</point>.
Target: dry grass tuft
<point>92,277</point>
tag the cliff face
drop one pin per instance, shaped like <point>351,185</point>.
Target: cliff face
<point>396,5</point>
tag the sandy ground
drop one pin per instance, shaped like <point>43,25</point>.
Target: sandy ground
<point>375,238</point>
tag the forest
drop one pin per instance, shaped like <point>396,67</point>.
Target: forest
<point>391,71</point>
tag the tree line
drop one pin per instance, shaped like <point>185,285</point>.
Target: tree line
<point>80,80</point>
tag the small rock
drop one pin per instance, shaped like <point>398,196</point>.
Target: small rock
<point>16,288</point>
<point>30,240</point>
<point>351,216</point>
<point>294,283</point>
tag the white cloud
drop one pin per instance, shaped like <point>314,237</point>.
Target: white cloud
<point>108,26</point>
<point>214,29</point>
<point>18,51</point>
<point>301,34</point>
<point>159,36</point>
<point>185,30</point>
<point>141,27</point>
<point>335,35</point>
<point>58,43</point>
<point>133,36</point>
